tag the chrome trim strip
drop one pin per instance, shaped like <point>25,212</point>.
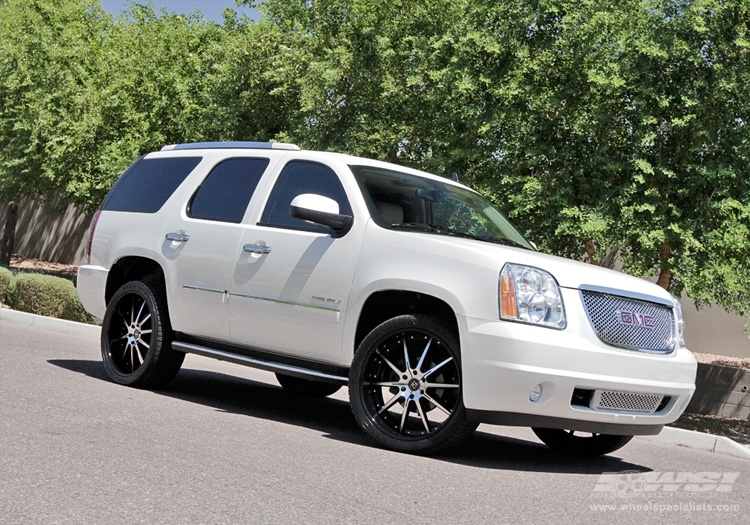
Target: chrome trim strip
<point>203,288</point>
<point>625,293</point>
<point>287,301</point>
<point>257,363</point>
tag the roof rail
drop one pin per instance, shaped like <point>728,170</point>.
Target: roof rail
<point>232,145</point>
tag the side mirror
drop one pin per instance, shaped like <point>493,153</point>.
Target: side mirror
<point>318,209</point>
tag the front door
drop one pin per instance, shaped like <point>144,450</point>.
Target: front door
<point>292,279</point>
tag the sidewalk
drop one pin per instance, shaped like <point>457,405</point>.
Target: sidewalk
<point>668,436</point>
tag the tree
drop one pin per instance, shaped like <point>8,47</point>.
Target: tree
<point>597,130</point>
<point>44,60</point>
<point>149,89</point>
<point>632,129</point>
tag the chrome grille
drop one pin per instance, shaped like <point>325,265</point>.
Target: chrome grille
<point>630,323</point>
<point>625,401</point>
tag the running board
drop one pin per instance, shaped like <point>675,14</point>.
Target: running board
<point>270,366</point>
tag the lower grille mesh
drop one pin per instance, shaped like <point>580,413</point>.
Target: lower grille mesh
<point>625,401</point>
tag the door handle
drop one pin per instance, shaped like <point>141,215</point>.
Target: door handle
<point>178,236</point>
<point>260,248</point>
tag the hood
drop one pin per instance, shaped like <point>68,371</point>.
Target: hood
<point>574,274</point>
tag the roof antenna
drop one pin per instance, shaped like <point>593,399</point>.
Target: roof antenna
<point>454,176</point>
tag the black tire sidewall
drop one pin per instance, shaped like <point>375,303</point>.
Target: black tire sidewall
<point>453,430</point>
<point>160,343</point>
<point>567,443</point>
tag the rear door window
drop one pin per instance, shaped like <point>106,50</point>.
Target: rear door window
<point>225,194</point>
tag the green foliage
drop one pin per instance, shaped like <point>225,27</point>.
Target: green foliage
<point>46,64</point>
<point>47,295</point>
<point>148,89</point>
<point>10,293</point>
<point>618,126</point>
<point>6,276</point>
<point>74,310</point>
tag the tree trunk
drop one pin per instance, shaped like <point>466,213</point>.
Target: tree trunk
<point>9,233</point>
<point>591,252</point>
<point>665,278</point>
<point>665,274</point>
<point>610,259</point>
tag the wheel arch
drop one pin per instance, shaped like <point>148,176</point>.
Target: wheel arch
<point>386,304</point>
<point>133,268</point>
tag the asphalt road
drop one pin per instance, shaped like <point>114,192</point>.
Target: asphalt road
<point>224,444</point>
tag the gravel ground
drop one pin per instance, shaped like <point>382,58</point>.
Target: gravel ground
<point>736,429</point>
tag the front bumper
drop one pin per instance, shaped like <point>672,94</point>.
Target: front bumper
<point>504,361</point>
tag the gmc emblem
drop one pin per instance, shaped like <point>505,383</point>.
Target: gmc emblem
<point>635,319</point>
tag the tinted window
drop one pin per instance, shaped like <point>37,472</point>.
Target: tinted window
<point>300,177</point>
<point>227,190</point>
<point>148,183</point>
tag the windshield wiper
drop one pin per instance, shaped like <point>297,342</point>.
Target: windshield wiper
<point>437,228</point>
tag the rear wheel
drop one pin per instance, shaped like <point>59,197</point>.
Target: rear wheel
<point>405,386</point>
<point>306,387</point>
<point>580,443</point>
<point>136,337</point>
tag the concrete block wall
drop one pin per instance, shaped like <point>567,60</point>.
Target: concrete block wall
<point>721,391</point>
<point>52,231</point>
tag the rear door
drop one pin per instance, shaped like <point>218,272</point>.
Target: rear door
<point>200,246</point>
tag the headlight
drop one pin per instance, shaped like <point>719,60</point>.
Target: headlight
<point>679,320</point>
<point>530,295</point>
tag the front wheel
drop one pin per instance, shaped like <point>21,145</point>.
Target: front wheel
<point>137,337</point>
<point>405,386</point>
<point>580,443</point>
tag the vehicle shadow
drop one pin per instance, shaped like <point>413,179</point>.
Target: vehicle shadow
<point>333,418</point>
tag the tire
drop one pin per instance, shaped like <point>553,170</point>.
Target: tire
<point>306,387</point>
<point>136,337</point>
<point>405,386</point>
<point>580,443</point>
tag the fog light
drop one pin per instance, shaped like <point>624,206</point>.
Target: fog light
<point>536,393</point>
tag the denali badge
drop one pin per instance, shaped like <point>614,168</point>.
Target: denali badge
<point>635,319</point>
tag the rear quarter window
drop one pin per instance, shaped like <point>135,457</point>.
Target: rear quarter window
<point>148,183</point>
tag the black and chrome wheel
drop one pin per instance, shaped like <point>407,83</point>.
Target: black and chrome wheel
<point>306,387</point>
<point>405,385</point>
<point>137,337</point>
<point>580,443</point>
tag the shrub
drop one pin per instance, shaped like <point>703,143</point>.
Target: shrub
<point>5,279</point>
<point>74,310</point>
<point>47,295</point>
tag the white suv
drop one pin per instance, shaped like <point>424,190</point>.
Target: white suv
<point>414,290</point>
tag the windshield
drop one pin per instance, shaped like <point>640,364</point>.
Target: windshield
<point>400,200</point>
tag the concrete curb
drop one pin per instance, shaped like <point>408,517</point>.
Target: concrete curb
<point>700,441</point>
<point>50,323</point>
<point>668,436</point>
